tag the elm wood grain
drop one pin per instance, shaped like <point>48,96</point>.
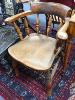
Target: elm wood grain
<point>56,10</point>
<point>37,50</point>
<point>52,8</point>
<point>41,7</point>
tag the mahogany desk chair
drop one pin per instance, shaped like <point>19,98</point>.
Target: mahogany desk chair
<point>38,50</point>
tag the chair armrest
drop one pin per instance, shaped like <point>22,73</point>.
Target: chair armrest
<point>62,34</point>
<point>17,16</point>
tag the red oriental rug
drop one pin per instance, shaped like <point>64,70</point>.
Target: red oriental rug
<point>20,88</point>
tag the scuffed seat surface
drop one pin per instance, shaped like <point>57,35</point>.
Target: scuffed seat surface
<point>34,50</point>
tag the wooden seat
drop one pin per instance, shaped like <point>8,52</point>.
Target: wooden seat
<point>38,50</point>
<point>35,50</point>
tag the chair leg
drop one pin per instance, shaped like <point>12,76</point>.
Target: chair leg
<point>50,77</point>
<point>14,65</point>
<point>67,53</point>
<point>49,83</point>
<point>49,89</point>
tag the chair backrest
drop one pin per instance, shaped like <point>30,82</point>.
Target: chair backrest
<point>58,12</point>
<point>51,8</point>
<point>53,11</point>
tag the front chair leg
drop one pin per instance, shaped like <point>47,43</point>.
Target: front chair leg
<point>49,89</point>
<point>49,85</point>
<point>14,65</point>
<point>67,54</point>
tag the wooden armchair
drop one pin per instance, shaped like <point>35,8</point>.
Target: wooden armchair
<point>38,50</point>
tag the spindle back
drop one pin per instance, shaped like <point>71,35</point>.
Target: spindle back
<point>55,13</point>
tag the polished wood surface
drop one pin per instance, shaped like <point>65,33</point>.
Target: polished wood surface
<point>18,31</point>
<point>41,7</point>
<point>36,50</point>
<point>62,32</point>
<point>17,16</point>
<point>52,8</point>
<point>49,24</point>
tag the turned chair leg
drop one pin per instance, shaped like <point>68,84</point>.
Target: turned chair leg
<point>14,65</point>
<point>49,89</point>
<point>49,85</point>
<point>51,74</point>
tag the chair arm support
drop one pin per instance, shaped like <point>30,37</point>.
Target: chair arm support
<point>61,34</point>
<point>17,16</point>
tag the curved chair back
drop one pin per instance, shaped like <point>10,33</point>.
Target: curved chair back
<point>55,13</point>
<point>36,50</point>
<point>51,8</point>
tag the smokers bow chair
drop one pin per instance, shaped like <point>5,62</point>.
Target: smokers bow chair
<point>38,50</point>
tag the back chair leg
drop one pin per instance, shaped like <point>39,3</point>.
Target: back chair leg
<point>67,54</point>
<point>49,83</point>
<point>14,65</point>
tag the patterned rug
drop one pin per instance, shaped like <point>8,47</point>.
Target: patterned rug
<point>27,88</point>
<point>7,37</point>
<point>20,88</point>
<point>64,87</point>
<point>30,88</point>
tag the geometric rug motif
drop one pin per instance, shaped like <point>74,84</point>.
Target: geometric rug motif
<point>8,36</point>
<point>19,89</point>
<point>26,88</point>
<point>62,85</point>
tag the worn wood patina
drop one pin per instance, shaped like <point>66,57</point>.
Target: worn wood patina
<point>36,50</point>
